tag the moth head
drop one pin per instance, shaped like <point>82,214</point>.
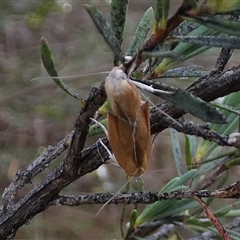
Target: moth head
<point>117,74</point>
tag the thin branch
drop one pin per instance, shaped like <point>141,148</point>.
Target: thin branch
<point>26,176</point>
<point>208,88</point>
<point>202,131</point>
<point>234,226</point>
<point>79,163</point>
<point>39,198</point>
<point>231,191</point>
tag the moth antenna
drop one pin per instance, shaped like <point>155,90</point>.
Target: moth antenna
<point>71,76</point>
<point>111,156</point>
<point>104,205</point>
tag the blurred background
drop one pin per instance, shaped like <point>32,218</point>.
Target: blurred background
<point>35,113</point>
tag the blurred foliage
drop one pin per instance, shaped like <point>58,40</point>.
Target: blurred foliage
<point>36,113</point>
<point>37,16</point>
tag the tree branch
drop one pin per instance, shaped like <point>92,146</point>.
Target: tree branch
<point>78,162</point>
<point>231,191</point>
<point>39,198</point>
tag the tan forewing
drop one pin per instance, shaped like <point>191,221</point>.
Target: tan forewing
<point>125,103</point>
<point>131,142</point>
<point>128,124</point>
<point>143,137</point>
<point>120,138</point>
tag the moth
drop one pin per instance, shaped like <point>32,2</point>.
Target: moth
<point>128,124</point>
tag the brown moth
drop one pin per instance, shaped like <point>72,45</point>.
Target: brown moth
<point>128,124</point>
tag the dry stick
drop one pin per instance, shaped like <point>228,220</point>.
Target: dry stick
<point>213,219</point>
<point>208,88</point>
<point>230,191</point>
<point>234,225</point>
<point>223,85</point>
<point>38,199</point>
<point>25,177</point>
<point>187,128</point>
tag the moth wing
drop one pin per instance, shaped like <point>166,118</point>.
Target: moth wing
<point>143,137</point>
<point>120,138</point>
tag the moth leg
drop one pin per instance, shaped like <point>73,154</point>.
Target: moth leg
<point>101,125</point>
<point>110,155</point>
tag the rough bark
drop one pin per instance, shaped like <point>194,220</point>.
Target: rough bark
<point>79,162</point>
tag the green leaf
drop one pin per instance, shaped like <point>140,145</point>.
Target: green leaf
<point>133,218</point>
<point>118,17</point>
<point>233,162</point>
<point>161,14</point>
<point>161,54</point>
<point>178,207</point>
<point>184,100</point>
<point>225,210</point>
<point>96,129</point>
<point>210,149</point>
<point>177,152</point>
<point>184,72</point>
<point>183,179</point>
<point>211,41</point>
<point>227,108</point>
<point>218,6</point>
<point>186,50</point>
<point>154,210</point>
<point>190,148</point>
<point>141,33</point>
<point>105,29</point>
<point>48,63</point>
<point>168,185</point>
<point>219,23</point>
<point>161,209</point>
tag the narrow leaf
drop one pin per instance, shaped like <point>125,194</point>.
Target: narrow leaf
<point>161,54</point>
<point>183,179</point>
<point>206,148</point>
<point>105,29</point>
<point>177,152</point>
<point>211,41</point>
<point>223,211</point>
<point>161,14</point>
<point>188,151</point>
<point>133,218</point>
<point>227,108</point>
<point>179,207</point>
<point>185,100</point>
<point>48,63</point>
<point>140,33</point>
<point>186,50</point>
<point>154,210</point>
<point>218,6</point>
<point>219,23</point>
<point>184,72</point>
<point>213,219</point>
<point>161,209</point>
<point>168,185</point>
<point>118,17</point>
